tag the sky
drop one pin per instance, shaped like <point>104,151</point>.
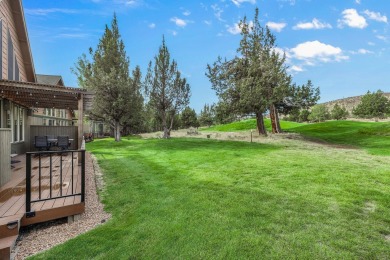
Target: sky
<point>343,47</point>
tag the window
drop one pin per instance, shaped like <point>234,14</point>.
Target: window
<point>16,70</point>
<point>10,57</point>
<point>13,67</point>
<point>17,118</point>
<point>21,124</point>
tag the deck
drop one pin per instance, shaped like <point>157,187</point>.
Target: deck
<point>56,188</point>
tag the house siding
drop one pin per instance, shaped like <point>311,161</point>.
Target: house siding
<point>8,23</point>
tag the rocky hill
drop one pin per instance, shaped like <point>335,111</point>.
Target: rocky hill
<point>349,103</point>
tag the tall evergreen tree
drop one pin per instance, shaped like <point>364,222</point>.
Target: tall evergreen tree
<point>206,117</point>
<point>117,94</point>
<point>168,92</point>
<point>188,118</point>
<point>256,80</point>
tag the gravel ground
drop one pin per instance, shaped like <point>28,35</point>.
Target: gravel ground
<point>40,237</point>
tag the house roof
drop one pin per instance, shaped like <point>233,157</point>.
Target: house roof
<point>50,80</point>
<point>24,43</point>
<point>34,95</point>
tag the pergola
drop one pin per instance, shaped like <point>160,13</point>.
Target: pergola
<point>34,95</point>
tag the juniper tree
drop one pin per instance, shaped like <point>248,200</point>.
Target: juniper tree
<point>188,118</point>
<point>339,112</point>
<point>167,91</point>
<point>373,105</point>
<point>256,80</point>
<point>117,94</point>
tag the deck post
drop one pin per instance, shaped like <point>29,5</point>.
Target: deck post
<point>80,123</point>
<point>82,175</point>
<point>28,182</point>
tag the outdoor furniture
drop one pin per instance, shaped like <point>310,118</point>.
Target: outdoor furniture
<point>63,142</point>
<point>52,140</point>
<point>41,143</point>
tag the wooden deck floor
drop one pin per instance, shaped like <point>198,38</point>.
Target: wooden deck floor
<point>13,194</point>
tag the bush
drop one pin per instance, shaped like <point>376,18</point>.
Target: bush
<point>339,113</point>
<point>319,113</point>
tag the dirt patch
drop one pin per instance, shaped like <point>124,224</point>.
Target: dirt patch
<point>247,136</point>
<point>369,207</point>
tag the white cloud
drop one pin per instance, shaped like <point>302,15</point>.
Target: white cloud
<point>375,16</point>
<point>207,22</point>
<point>276,26</point>
<point>152,25</point>
<point>239,2</point>
<point>291,2</point>
<point>217,12</point>
<point>314,24</point>
<point>358,2</point>
<point>44,12</point>
<point>296,68</point>
<point>179,22</point>
<point>352,19</point>
<point>315,51</point>
<point>186,13</point>
<point>371,43</point>
<point>364,51</point>
<point>234,29</point>
<point>381,37</point>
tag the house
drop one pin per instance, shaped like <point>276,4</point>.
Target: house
<point>52,116</point>
<point>52,185</point>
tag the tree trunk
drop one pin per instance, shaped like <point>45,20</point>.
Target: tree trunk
<point>273,113</point>
<point>167,132</point>
<point>117,132</point>
<point>260,124</point>
<point>278,122</point>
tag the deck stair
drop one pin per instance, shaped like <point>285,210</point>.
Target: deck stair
<point>9,231</point>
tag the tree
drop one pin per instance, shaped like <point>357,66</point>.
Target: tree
<point>188,118</point>
<point>319,113</point>
<point>116,94</point>
<point>168,92</point>
<point>254,81</point>
<point>339,112</point>
<point>206,117</point>
<point>372,105</point>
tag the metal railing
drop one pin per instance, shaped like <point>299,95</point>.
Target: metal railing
<point>55,181</point>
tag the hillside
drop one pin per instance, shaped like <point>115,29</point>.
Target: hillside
<point>349,103</point>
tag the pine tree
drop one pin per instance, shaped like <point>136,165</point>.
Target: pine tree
<point>256,80</point>
<point>115,91</point>
<point>188,118</point>
<point>168,92</point>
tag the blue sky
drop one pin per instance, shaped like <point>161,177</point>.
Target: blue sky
<point>342,46</point>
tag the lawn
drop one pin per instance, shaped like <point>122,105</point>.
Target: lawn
<point>371,136</point>
<point>249,124</point>
<point>208,199</point>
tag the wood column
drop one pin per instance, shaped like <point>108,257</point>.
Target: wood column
<point>80,121</point>
<point>5,156</point>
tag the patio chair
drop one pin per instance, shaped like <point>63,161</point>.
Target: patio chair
<point>52,140</point>
<point>63,142</point>
<point>41,143</point>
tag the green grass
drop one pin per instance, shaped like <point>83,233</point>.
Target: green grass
<point>249,124</point>
<point>208,199</point>
<point>372,136</point>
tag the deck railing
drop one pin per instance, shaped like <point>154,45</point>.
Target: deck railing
<point>45,191</point>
